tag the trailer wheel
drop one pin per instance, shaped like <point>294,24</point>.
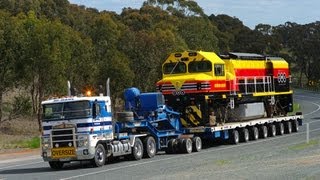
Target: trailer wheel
<point>196,144</point>
<point>280,128</point>
<point>263,132</point>
<point>244,135</point>
<point>137,149</point>
<point>171,148</point>
<point>272,130</point>
<point>186,145</point>
<point>56,165</point>
<point>149,146</point>
<point>99,156</point>
<point>288,127</point>
<point>254,133</point>
<point>234,137</point>
<point>295,126</point>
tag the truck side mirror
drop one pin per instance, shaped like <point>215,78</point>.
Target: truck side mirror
<point>95,109</point>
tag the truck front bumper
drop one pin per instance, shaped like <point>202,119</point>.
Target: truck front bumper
<point>84,153</point>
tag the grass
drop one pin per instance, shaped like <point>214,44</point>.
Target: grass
<point>296,108</point>
<point>19,142</point>
<point>302,146</point>
<point>222,162</point>
<point>19,133</point>
<point>33,143</point>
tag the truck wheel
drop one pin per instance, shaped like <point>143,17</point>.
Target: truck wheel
<point>56,164</point>
<point>171,148</point>
<point>288,127</point>
<point>295,126</point>
<point>244,135</point>
<point>186,145</point>
<point>196,144</point>
<point>149,146</point>
<point>99,156</point>
<point>137,150</point>
<point>254,133</point>
<point>280,128</point>
<point>234,137</point>
<point>263,132</point>
<point>272,130</point>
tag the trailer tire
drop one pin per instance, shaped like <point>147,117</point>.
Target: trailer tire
<point>263,132</point>
<point>280,128</point>
<point>295,125</point>
<point>272,130</point>
<point>288,127</point>
<point>234,137</point>
<point>56,165</point>
<point>196,144</point>
<point>149,146</point>
<point>99,156</point>
<point>186,145</point>
<point>254,133</point>
<point>244,135</point>
<point>171,148</point>
<point>137,149</point>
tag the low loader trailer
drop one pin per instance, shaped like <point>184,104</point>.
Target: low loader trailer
<point>84,129</point>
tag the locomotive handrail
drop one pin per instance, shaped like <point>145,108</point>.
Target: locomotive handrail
<point>251,84</point>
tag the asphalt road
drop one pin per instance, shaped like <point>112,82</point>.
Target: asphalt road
<point>280,157</point>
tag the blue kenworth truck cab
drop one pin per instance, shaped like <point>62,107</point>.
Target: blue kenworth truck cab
<point>83,128</point>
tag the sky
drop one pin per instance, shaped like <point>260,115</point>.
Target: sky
<point>250,12</point>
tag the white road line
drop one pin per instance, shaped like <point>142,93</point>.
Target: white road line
<point>313,104</point>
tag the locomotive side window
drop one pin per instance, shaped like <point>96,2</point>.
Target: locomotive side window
<point>219,70</point>
<point>174,68</point>
<point>200,66</point>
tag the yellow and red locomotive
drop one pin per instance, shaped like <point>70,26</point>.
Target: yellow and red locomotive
<point>232,87</point>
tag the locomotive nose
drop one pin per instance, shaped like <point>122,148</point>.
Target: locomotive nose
<point>177,84</point>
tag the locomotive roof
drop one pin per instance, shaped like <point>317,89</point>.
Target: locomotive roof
<point>248,56</point>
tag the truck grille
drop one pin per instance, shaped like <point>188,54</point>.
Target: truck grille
<point>63,137</point>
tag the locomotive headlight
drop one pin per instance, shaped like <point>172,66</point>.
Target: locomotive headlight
<point>82,141</point>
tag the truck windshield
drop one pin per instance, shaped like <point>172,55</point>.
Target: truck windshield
<point>174,68</point>
<point>66,110</point>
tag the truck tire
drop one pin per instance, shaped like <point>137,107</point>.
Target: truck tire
<point>280,128</point>
<point>149,146</point>
<point>56,165</point>
<point>234,137</point>
<point>99,156</point>
<point>263,132</point>
<point>244,135</point>
<point>295,125</point>
<point>196,144</point>
<point>137,150</point>
<point>186,145</point>
<point>171,148</point>
<point>272,130</point>
<point>254,133</point>
<point>288,127</point>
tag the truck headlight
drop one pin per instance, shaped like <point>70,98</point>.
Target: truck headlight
<point>82,141</point>
<point>45,142</point>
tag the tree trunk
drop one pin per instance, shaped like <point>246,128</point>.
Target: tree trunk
<point>39,108</point>
<point>300,78</point>
<point>1,105</point>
